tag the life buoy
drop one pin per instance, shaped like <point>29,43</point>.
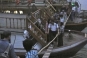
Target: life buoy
<point>46,29</point>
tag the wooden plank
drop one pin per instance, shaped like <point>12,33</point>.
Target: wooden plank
<point>43,35</point>
<point>48,52</point>
<point>37,38</point>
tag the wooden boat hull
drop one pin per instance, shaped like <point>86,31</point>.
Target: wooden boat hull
<point>78,26</point>
<point>68,51</point>
<point>63,51</point>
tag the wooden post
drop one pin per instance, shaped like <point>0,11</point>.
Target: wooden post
<point>6,23</point>
<point>21,23</point>
<point>46,31</point>
<point>26,23</point>
<point>10,22</point>
<point>85,35</point>
<point>13,24</point>
<point>17,23</point>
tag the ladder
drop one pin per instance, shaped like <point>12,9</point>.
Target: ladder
<point>36,32</point>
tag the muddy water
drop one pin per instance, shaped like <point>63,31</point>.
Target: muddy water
<point>82,53</point>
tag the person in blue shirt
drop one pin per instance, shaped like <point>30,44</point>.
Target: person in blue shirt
<point>4,43</point>
<point>30,52</point>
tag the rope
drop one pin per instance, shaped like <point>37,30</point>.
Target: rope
<point>67,19</point>
<point>14,41</point>
<point>54,37</point>
<point>48,43</point>
<point>51,5</point>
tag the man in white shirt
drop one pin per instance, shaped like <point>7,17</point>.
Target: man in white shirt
<point>61,19</point>
<point>73,13</point>
<point>26,34</point>
<point>52,29</point>
<point>74,8</point>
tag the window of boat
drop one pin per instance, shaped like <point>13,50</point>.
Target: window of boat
<point>7,11</point>
<point>15,12</point>
<point>21,12</point>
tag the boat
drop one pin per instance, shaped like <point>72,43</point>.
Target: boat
<point>75,40</point>
<point>81,22</point>
<point>24,8</point>
<point>73,26</point>
<point>69,49</point>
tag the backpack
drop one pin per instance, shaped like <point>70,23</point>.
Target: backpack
<point>5,53</point>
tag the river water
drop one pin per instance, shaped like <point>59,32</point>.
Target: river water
<point>82,53</point>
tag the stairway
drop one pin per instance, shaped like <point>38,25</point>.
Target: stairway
<point>31,22</point>
<point>36,32</point>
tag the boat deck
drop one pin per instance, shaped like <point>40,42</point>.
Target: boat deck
<point>76,20</point>
<point>16,40</point>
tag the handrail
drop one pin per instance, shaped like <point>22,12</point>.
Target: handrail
<point>10,23</point>
<point>37,28</point>
<point>67,19</point>
<point>48,43</point>
<point>51,5</point>
<point>54,37</point>
<point>36,11</point>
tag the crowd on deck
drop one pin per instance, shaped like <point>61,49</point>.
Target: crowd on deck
<point>57,20</point>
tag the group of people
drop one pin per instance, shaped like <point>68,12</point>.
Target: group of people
<point>75,9</point>
<point>56,24</point>
<point>5,45</point>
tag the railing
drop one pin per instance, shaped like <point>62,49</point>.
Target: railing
<point>36,32</point>
<point>58,1</point>
<point>12,23</point>
<point>40,15</point>
<point>67,19</point>
<point>36,14</point>
<point>39,22</point>
<point>49,4</point>
<point>14,1</point>
<point>83,14</point>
